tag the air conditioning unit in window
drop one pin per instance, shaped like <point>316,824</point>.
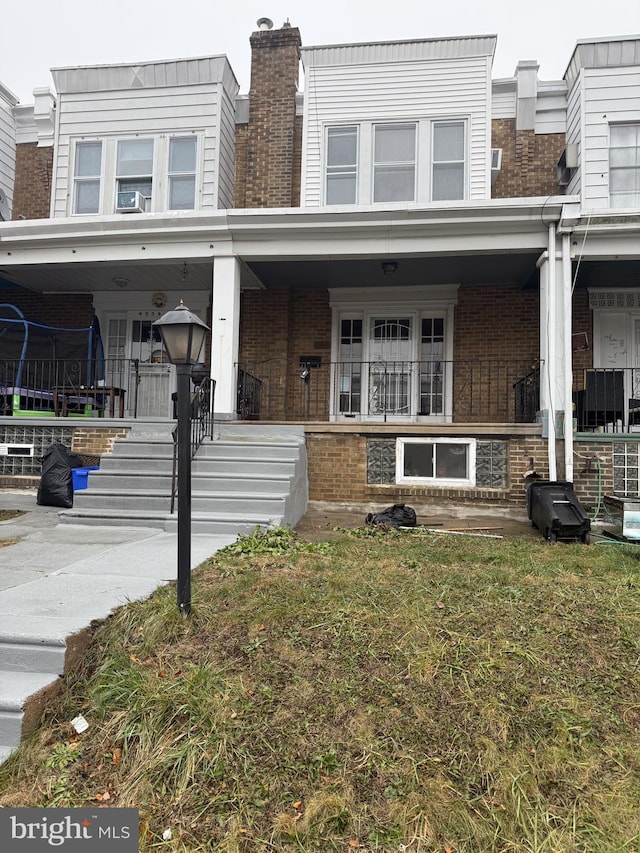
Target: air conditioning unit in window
<point>496,164</point>
<point>130,202</point>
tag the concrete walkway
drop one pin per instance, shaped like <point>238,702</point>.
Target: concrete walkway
<point>58,578</point>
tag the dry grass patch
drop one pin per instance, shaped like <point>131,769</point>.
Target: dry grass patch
<point>380,692</point>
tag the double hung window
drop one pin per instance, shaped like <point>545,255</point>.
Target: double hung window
<point>134,166</point>
<point>342,165</point>
<point>448,158</point>
<point>87,176</point>
<point>182,173</point>
<point>624,165</point>
<point>394,162</point>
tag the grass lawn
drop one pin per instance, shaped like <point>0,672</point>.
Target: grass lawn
<point>379,692</point>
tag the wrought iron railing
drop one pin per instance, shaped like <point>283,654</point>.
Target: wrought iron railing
<point>202,403</point>
<point>85,387</point>
<point>607,399</point>
<point>479,390</point>
<point>527,397</point>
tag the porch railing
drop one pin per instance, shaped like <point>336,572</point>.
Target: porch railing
<point>202,404</point>
<point>85,387</point>
<point>607,399</point>
<point>479,390</point>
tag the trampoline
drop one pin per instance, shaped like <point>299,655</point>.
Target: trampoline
<point>36,358</point>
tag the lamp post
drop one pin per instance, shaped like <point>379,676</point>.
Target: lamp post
<point>183,336</point>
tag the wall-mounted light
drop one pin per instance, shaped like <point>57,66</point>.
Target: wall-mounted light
<point>389,267</point>
<point>120,281</point>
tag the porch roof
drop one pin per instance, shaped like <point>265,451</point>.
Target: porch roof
<point>498,240</point>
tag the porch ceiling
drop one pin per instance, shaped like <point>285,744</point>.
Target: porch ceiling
<point>105,276</point>
<point>516,268</point>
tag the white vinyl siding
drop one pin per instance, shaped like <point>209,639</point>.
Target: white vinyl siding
<point>108,104</point>
<point>7,150</point>
<point>418,92</point>
<point>606,97</point>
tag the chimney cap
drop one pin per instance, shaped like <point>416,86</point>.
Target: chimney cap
<point>264,23</point>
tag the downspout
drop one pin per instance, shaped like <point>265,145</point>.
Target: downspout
<point>568,357</point>
<point>551,353</point>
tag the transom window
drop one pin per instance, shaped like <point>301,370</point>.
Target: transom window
<point>624,165</point>
<point>87,172</point>
<point>445,461</point>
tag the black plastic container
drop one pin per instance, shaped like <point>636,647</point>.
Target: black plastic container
<point>555,510</point>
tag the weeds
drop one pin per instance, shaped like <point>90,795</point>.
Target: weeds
<point>387,692</point>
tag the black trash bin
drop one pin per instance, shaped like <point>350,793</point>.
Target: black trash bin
<point>555,510</point>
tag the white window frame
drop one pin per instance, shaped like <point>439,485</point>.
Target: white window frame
<point>415,303</point>
<point>183,174</point>
<point>394,164</point>
<point>142,176</point>
<point>455,482</point>
<point>463,162</point>
<point>631,169</point>
<point>423,162</point>
<point>78,179</point>
<point>335,170</point>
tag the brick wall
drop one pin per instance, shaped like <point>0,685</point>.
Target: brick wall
<point>337,466</point>
<point>96,442</point>
<point>53,309</point>
<point>271,142</point>
<point>528,161</point>
<point>32,191</point>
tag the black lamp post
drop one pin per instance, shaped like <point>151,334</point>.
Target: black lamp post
<point>183,336</point>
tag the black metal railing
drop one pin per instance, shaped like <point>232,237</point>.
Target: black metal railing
<point>85,387</point>
<point>479,390</point>
<point>527,397</point>
<point>607,399</point>
<point>202,422</point>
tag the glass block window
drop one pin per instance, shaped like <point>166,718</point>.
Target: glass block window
<point>41,438</point>
<point>381,461</point>
<point>625,468</point>
<point>491,464</point>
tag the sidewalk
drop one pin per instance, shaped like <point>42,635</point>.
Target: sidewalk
<point>56,580</point>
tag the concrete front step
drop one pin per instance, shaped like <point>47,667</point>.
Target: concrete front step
<point>126,481</point>
<point>21,701</point>
<point>160,502</point>
<point>219,522</point>
<point>117,517</point>
<point>25,654</point>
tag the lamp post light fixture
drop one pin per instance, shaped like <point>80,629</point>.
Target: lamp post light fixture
<point>183,335</point>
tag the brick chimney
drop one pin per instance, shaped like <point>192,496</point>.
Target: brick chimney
<point>272,178</point>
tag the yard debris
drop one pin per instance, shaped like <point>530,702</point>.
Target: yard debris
<point>80,724</point>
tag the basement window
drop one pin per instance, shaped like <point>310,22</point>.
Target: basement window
<point>441,461</point>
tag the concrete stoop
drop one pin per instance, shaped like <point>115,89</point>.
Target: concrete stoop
<point>239,480</point>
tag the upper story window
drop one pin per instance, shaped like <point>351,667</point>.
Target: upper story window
<point>342,165</point>
<point>377,163</point>
<point>134,166</point>
<point>448,161</point>
<point>394,162</point>
<point>88,171</point>
<point>182,173</point>
<point>624,165</point>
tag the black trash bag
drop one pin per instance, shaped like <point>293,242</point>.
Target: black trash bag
<point>397,515</point>
<point>56,482</point>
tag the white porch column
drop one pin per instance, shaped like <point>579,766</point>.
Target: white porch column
<point>555,349</point>
<point>225,333</point>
